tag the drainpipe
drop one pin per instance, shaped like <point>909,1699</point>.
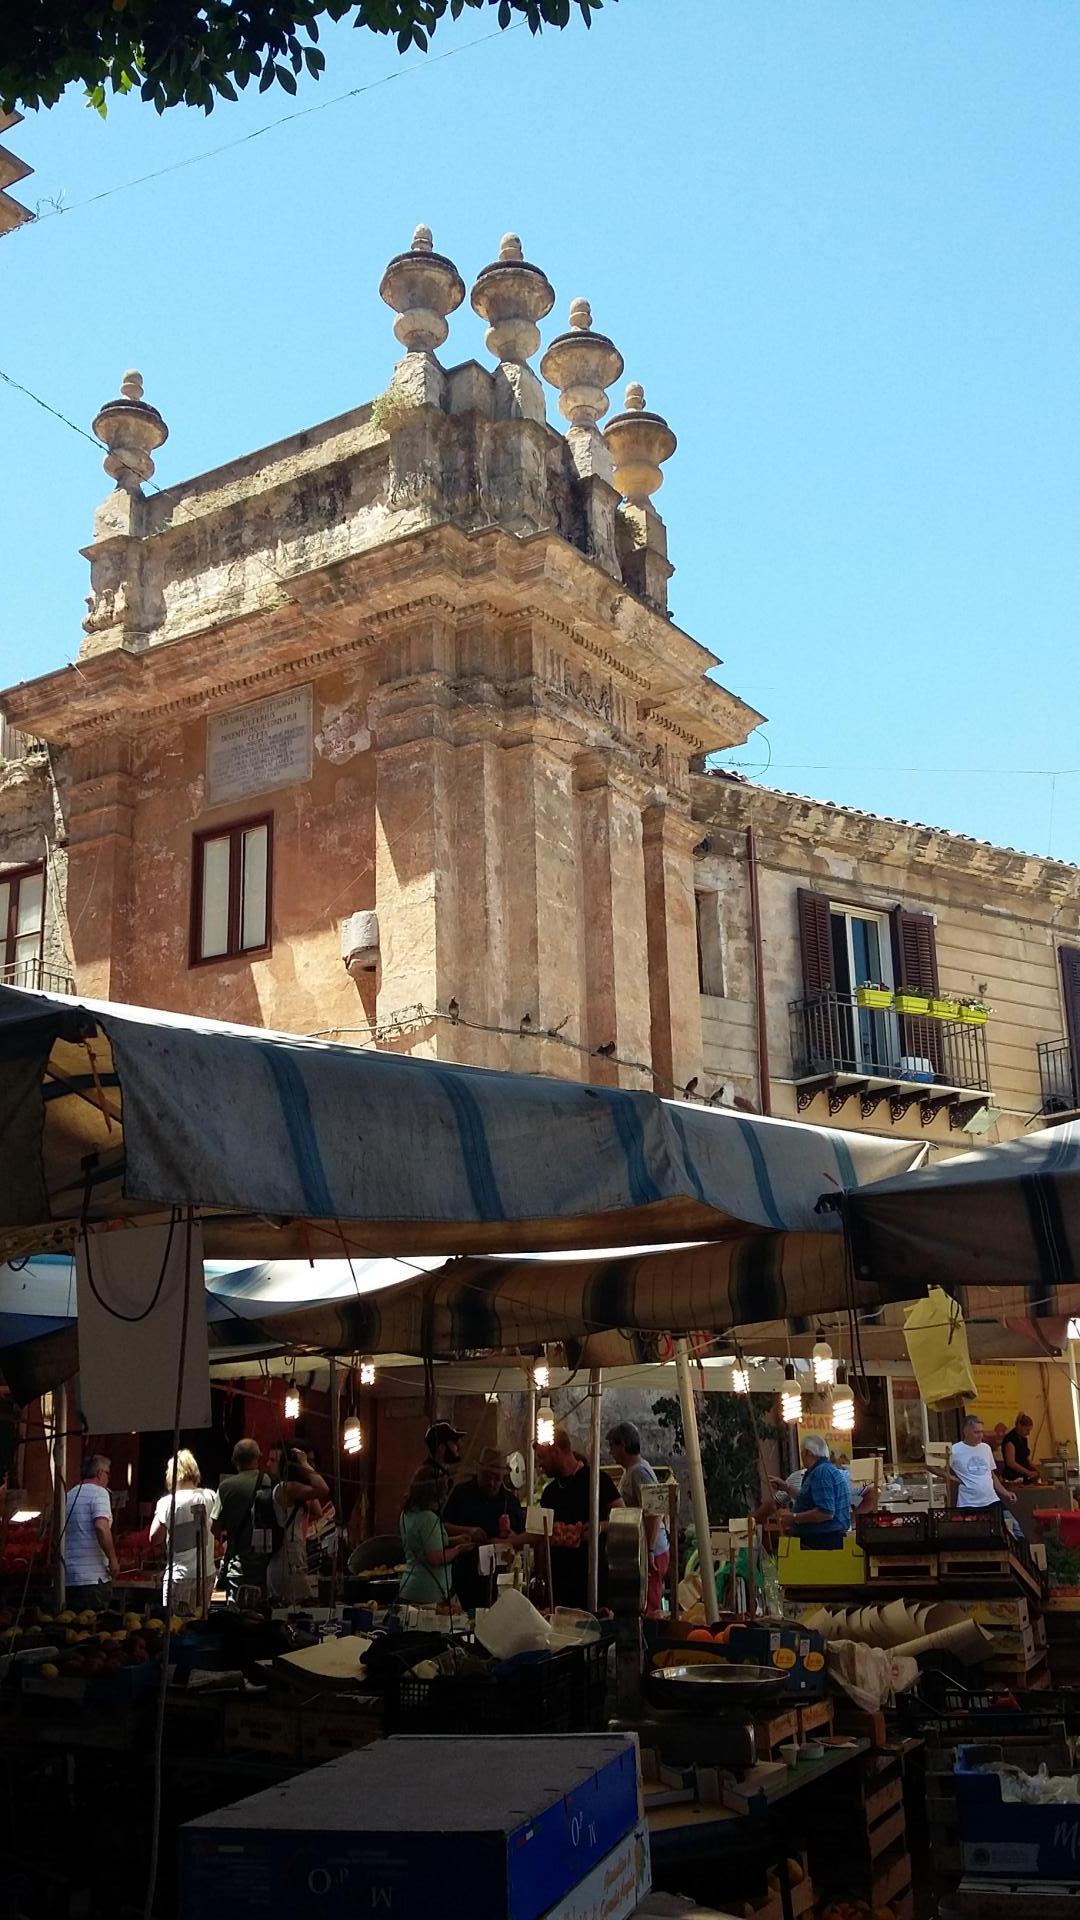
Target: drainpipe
<point>764,1076</point>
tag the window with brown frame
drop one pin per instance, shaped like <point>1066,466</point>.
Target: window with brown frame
<point>22,926</point>
<point>231,887</point>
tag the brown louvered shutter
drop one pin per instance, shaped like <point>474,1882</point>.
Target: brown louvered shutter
<point>1069,958</point>
<point>815,939</point>
<point>914,950</point>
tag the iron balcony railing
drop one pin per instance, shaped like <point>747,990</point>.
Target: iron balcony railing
<point>831,1034</point>
<point>1058,1076</point>
<point>36,977</point>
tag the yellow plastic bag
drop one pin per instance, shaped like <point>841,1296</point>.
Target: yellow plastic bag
<point>937,1347</point>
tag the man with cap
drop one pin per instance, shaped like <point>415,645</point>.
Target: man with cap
<point>443,1443</point>
<point>484,1505</point>
<point>821,1514</point>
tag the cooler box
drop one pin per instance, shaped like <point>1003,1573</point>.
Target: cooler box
<point>796,1652</point>
<point>801,1566</point>
<point>1003,1839</point>
<point>417,1827</point>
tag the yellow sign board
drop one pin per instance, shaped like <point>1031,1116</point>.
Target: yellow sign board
<point>997,1393</point>
<point>821,1422</point>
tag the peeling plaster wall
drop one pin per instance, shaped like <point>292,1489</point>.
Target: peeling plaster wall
<point>32,833</point>
<point>323,840</point>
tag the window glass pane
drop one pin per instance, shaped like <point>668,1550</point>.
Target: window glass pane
<point>214,923</point>
<point>841,967</point>
<point>866,947</point>
<point>253,889</point>
<point>27,955</point>
<point>29,904</point>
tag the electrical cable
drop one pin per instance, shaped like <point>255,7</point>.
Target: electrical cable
<point>130,1319</point>
<point>163,1688</point>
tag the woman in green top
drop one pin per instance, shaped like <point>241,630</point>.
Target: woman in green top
<point>426,1544</point>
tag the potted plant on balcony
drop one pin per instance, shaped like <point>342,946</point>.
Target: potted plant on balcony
<point>973,1011</point>
<point>912,1000</point>
<point>873,993</point>
<point>944,1006</point>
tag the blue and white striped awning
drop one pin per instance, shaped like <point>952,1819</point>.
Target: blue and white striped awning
<point>291,1148</point>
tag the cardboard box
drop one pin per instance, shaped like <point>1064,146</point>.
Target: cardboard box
<point>505,1828</point>
<point>253,1727</point>
<point>328,1732</point>
<point>614,1889</point>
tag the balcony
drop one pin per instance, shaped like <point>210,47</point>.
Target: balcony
<point>34,977</point>
<point>879,1057</point>
<point>1059,1080</point>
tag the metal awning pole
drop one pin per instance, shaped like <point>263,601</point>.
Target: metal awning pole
<point>692,1443</point>
<point>530,1445</point>
<point>1074,1394</point>
<point>335,1450</point>
<point>59,1459</point>
<point>596,1395</point>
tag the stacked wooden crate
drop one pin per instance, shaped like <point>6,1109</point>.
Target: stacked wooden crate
<point>864,1854</point>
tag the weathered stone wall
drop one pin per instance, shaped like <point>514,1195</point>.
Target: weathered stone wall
<point>1000,916</point>
<point>32,832</point>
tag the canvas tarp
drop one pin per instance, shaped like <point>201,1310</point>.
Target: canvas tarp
<point>998,1228</point>
<point>292,1147</point>
<point>496,1306</point>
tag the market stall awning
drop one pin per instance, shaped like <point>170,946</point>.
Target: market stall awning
<point>999,1228</point>
<point>498,1305</point>
<point>292,1148</point>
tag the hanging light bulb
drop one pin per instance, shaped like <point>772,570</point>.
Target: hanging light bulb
<point>843,1411</point>
<point>824,1364</point>
<point>367,1373</point>
<point>791,1398</point>
<point>740,1378</point>
<point>292,1402</point>
<point>492,1399</point>
<point>352,1436</point>
<point>542,1376</point>
<point>545,1424</point>
<point>1072,1331</point>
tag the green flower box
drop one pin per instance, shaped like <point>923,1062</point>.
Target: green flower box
<point>974,1016</point>
<point>905,1002</point>
<point>873,996</point>
<point>944,1009</point>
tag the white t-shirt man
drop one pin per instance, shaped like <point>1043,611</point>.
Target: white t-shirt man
<point>974,1467</point>
<point>85,1563</point>
<point>634,1478</point>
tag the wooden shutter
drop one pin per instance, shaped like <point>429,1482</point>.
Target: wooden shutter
<point>914,950</point>
<point>1069,958</point>
<point>815,938</point>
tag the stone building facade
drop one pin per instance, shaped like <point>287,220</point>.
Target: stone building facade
<point>385,731</point>
<point>801,902</point>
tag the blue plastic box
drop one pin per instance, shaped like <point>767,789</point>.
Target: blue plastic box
<point>1000,1837</point>
<point>503,1827</point>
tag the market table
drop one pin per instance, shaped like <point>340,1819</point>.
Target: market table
<point>693,1835</point>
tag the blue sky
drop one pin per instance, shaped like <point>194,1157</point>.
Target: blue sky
<point>837,243</point>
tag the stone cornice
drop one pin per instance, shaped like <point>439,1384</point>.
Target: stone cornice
<point>801,830</point>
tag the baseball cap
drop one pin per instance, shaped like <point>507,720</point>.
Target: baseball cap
<point>438,1435</point>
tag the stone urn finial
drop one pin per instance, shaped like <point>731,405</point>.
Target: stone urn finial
<point>131,431</point>
<point>512,296</point>
<point>582,364</point>
<point>638,441</point>
<point>422,287</point>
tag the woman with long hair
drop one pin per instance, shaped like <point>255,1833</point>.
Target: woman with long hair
<point>425,1543</point>
<point>189,1544</point>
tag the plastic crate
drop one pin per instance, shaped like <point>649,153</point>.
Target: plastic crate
<point>996,1836</point>
<point>982,1528</point>
<point>536,1693</point>
<point>883,1533</point>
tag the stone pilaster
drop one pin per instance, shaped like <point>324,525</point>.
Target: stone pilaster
<point>543,976</point>
<point>613,922</point>
<point>99,882</point>
<point>668,841</point>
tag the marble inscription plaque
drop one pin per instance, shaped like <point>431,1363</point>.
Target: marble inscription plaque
<point>255,748</point>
